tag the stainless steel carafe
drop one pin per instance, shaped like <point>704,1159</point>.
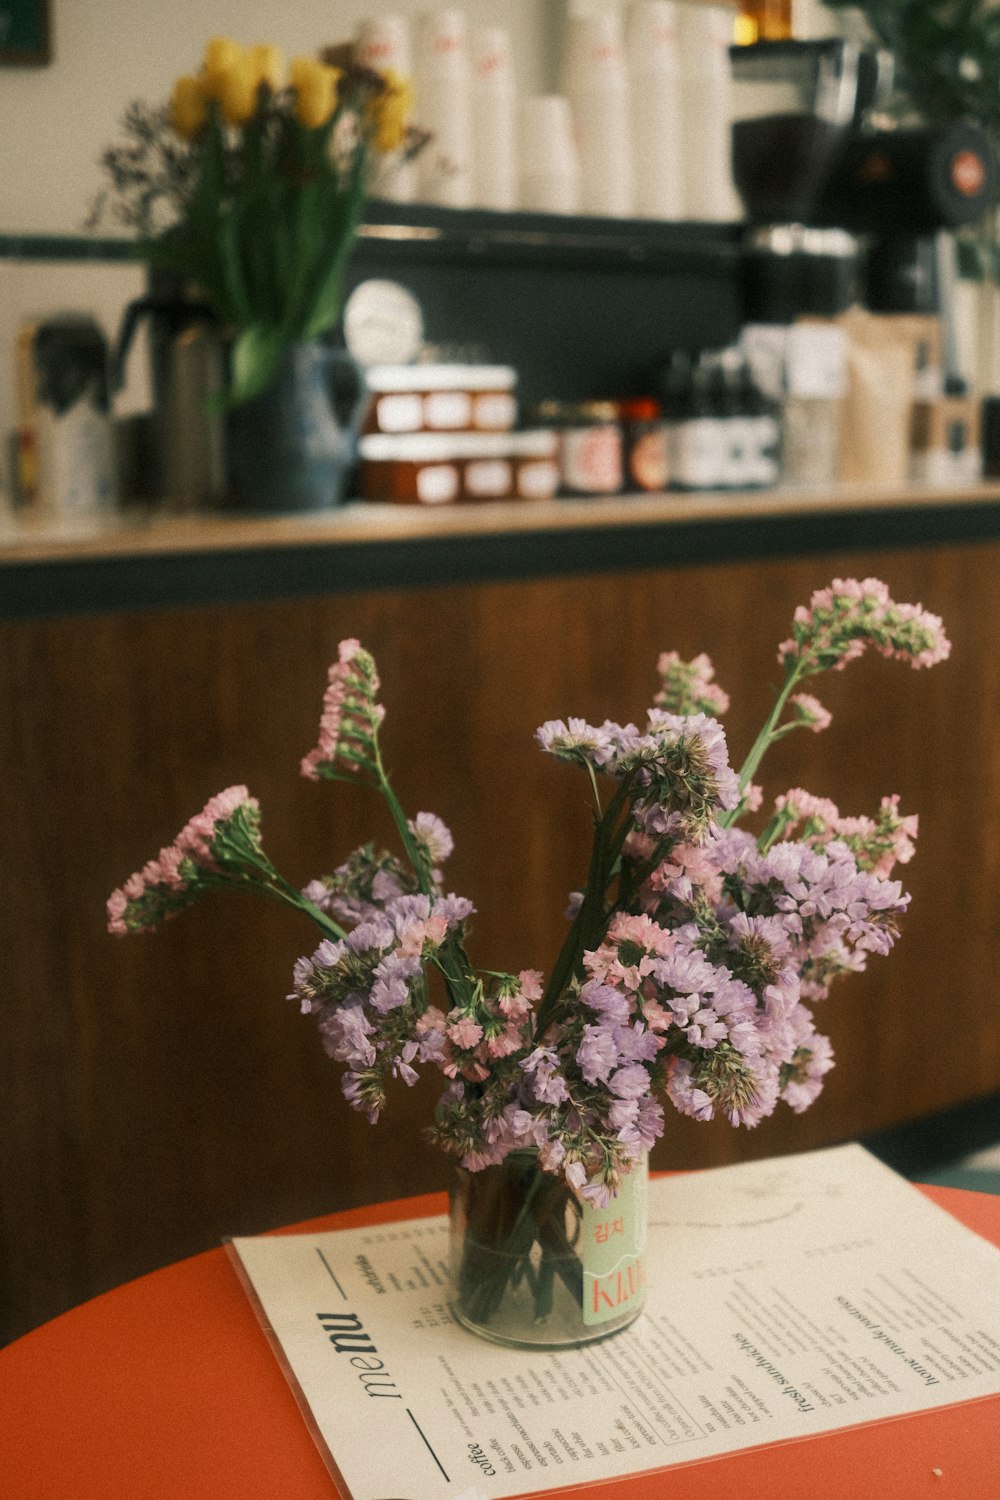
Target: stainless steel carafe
<point>187,359</point>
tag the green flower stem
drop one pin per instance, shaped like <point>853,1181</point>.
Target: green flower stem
<point>253,868</point>
<point>588,924</point>
<point>767,736</point>
<point>413,853</point>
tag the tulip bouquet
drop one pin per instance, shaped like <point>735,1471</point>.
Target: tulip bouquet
<point>695,950</point>
<point>250,187</point>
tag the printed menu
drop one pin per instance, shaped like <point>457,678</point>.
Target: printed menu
<point>785,1298</point>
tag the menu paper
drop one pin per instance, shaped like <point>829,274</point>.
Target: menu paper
<point>785,1298</point>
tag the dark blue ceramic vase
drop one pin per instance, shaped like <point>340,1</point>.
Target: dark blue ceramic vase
<point>293,447</point>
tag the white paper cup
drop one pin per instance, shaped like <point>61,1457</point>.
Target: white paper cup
<point>550,165</point>
<point>383,43</point>
<point>651,33</point>
<point>442,45</point>
<point>593,53</point>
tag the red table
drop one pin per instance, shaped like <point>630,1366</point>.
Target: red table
<point>166,1389</point>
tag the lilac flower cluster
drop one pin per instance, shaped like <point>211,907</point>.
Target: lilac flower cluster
<point>695,951</point>
<point>369,996</point>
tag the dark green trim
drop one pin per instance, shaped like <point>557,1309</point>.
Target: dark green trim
<point>39,589</point>
<point>441,234</point>
<point>34,247</point>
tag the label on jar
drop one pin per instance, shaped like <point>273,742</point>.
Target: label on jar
<point>614,1251</point>
<point>447,411</point>
<point>400,411</point>
<point>494,411</point>
<point>592,459</point>
<point>437,483</point>
<point>488,478</point>
<point>648,460</point>
<point>537,480</point>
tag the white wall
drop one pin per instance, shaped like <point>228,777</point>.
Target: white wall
<point>55,120</point>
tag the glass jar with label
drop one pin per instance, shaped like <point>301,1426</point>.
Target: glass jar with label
<point>590,445</point>
<point>534,1266</point>
<point>644,433</point>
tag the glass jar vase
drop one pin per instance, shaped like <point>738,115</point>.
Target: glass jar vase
<point>533,1266</point>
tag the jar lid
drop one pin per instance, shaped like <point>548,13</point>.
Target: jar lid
<point>639,409</point>
<point>381,378</point>
<point>576,413</point>
<point>433,447</point>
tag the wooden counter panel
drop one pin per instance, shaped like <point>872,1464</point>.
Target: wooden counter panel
<point>160,1092</point>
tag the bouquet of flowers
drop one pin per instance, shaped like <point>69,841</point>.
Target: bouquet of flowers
<point>249,186</point>
<point>694,953</point>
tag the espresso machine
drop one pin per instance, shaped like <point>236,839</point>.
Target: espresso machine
<point>843,204</point>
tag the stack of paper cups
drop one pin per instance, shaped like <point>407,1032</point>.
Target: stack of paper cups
<point>494,120</point>
<point>550,166</point>
<point>596,82</point>
<point>443,107</point>
<point>704,34</point>
<point>651,48</point>
<point>383,43</point>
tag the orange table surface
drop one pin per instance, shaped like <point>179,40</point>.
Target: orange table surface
<point>166,1389</point>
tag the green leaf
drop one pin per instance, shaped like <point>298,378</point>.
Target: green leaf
<point>255,357</point>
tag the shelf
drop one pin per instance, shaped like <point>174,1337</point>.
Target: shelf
<point>149,560</point>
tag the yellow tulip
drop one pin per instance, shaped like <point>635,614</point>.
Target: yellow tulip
<point>222,54</point>
<point>269,63</point>
<point>315,87</point>
<point>237,94</point>
<point>188,110</point>
<point>389,112</point>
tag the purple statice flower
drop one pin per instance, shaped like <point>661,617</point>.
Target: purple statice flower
<point>599,747</point>
<point>630,1081</point>
<point>810,1059</point>
<point>597,1053</point>
<point>609,1002</point>
<point>393,979</point>
<point>544,1078</point>
<point>346,1034</point>
<point>436,839</point>
<point>684,1094</point>
<point>638,1123</point>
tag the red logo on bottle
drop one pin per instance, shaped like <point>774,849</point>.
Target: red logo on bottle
<point>968,173</point>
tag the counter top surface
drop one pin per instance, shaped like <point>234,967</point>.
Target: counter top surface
<point>141,531</point>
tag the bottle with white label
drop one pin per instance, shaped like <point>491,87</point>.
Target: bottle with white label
<point>444,109</point>
<point>699,434</point>
<point>494,120</point>
<point>816,382</point>
<point>651,38</point>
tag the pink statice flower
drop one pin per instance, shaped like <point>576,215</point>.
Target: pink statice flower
<point>842,620</point>
<point>810,713</point>
<point>350,717</point>
<point>218,845</point>
<point>687,687</point>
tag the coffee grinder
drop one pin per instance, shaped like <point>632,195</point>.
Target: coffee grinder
<point>842,205</point>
